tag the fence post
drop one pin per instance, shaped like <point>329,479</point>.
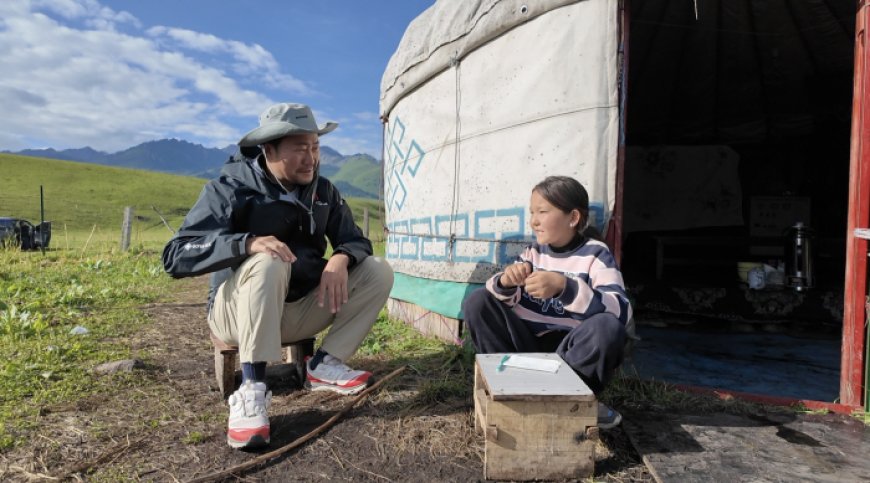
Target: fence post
<point>366,222</point>
<point>41,220</point>
<point>126,227</point>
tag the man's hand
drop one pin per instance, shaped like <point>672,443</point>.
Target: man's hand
<point>515,275</point>
<point>333,283</point>
<point>271,246</point>
<point>545,285</point>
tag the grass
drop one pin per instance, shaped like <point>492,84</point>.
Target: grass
<point>400,343</point>
<point>397,341</point>
<point>376,217</point>
<point>626,391</point>
<point>85,202</point>
<point>195,437</point>
<point>42,299</point>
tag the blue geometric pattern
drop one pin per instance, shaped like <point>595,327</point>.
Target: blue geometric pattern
<point>402,246</point>
<point>407,238</point>
<point>403,161</point>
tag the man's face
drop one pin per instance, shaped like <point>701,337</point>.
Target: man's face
<point>295,159</point>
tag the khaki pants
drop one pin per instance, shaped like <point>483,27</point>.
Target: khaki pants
<point>249,309</point>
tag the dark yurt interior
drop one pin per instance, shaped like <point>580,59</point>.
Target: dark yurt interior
<point>737,135</point>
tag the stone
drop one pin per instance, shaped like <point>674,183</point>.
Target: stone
<point>125,365</point>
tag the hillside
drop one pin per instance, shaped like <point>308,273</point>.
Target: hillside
<point>165,155</point>
<point>170,156</point>
<point>181,157</point>
<point>361,172</point>
<point>81,197</point>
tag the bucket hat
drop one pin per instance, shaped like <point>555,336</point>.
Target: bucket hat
<point>282,120</point>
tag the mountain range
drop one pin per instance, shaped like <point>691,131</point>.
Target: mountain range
<point>356,175</point>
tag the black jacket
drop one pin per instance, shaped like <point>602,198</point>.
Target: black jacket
<point>243,202</point>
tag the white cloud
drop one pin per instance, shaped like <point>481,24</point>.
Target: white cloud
<point>68,86</point>
<point>67,8</point>
<point>352,136</point>
<point>249,58</point>
<point>351,145</point>
<point>95,15</point>
<point>77,73</point>
<point>367,116</point>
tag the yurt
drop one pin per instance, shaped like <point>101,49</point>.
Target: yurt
<point>721,146</point>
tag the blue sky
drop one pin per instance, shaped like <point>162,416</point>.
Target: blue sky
<point>111,74</point>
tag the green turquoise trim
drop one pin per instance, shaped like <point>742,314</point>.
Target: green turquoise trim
<point>439,296</point>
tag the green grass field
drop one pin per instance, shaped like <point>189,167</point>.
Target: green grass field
<point>85,202</point>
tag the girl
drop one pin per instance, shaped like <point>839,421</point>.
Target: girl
<point>564,294</point>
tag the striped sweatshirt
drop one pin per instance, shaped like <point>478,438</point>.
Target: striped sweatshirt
<point>594,285</point>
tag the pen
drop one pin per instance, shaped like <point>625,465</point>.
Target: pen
<point>501,364</point>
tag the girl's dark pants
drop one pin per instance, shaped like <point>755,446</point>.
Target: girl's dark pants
<point>594,349</point>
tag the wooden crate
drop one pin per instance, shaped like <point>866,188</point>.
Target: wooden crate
<point>537,425</point>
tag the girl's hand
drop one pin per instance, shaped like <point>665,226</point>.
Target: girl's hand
<point>515,275</point>
<point>545,285</point>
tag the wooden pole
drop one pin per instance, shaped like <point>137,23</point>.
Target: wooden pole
<point>163,220</point>
<point>41,221</point>
<point>85,247</point>
<point>366,222</point>
<point>126,227</point>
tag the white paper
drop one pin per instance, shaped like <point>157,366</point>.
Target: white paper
<point>533,363</point>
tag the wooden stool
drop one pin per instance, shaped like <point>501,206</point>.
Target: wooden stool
<point>536,424</point>
<point>226,356</point>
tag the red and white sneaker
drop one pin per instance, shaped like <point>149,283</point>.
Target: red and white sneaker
<point>248,426</point>
<point>333,375</point>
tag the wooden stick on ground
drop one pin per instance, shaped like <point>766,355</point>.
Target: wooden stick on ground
<point>302,439</point>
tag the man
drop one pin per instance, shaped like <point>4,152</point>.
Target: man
<point>260,229</point>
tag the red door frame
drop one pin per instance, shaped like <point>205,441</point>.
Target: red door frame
<point>855,295</point>
<point>613,237</point>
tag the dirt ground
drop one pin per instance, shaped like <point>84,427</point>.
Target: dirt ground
<point>175,430</point>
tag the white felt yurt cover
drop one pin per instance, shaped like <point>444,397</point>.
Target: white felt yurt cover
<point>484,99</point>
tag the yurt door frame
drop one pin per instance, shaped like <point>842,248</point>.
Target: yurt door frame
<point>854,373</point>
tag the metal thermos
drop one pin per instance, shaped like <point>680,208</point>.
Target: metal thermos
<point>799,257</point>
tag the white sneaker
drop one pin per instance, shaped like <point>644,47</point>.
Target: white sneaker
<point>333,375</point>
<point>248,425</point>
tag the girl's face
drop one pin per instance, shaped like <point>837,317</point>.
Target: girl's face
<point>551,225</point>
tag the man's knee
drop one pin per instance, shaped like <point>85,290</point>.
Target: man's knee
<point>268,266</point>
<point>378,273</point>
